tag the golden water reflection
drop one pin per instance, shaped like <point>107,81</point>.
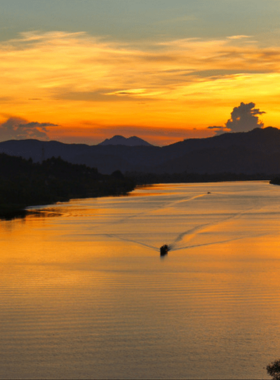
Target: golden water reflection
<point>84,292</point>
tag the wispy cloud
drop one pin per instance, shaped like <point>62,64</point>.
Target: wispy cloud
<point>68,73</point>
<point>77,60</point>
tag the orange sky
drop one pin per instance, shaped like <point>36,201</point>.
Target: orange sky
<point>89,88</point>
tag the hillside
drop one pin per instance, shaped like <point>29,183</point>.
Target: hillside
<point>250,153</point>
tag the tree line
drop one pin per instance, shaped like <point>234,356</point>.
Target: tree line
<point>25,183</point>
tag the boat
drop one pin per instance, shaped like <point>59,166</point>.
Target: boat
<point>164,250</point>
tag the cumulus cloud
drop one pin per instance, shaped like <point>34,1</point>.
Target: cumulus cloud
<point>18,129</point>
<point>244,118</point>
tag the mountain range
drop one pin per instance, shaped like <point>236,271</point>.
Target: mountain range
<point>254,152</point>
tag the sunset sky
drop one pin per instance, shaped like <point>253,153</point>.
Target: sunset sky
<point>164,70</point>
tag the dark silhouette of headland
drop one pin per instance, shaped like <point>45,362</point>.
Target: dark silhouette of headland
<point>24,183</point>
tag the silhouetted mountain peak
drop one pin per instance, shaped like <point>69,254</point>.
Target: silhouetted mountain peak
<point>130,141</point>
<point>256,151</point>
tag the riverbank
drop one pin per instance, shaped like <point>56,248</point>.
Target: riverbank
<point>275,181</point>
<point>11,211</point>
<point>24,183</point>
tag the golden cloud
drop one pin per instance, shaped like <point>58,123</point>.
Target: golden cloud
<point>60,69</point>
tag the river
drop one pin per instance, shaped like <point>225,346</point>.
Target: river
<point>85,294</point>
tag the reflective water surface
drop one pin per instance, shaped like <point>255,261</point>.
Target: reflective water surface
<point>85,294</point>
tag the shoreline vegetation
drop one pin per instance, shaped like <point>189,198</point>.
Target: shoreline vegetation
<point>275,181</point>
<point>24,183</point>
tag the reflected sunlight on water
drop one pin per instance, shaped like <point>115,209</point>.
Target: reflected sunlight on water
<point>85,294</point>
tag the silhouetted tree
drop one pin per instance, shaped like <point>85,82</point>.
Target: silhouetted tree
<point>117,174</point>
<point>273,369</point>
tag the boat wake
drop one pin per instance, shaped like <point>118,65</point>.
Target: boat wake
<point>201,228</point>
<point>131,240</point>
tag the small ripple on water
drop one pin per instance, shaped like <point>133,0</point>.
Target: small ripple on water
<point>213,310</point>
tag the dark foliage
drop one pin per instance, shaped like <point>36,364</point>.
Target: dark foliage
<point>24,183</point>
<point>273,369</point>
<point>275,181</point>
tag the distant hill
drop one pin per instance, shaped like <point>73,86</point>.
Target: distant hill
<point>254,152</point>
<point>130,141</point>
